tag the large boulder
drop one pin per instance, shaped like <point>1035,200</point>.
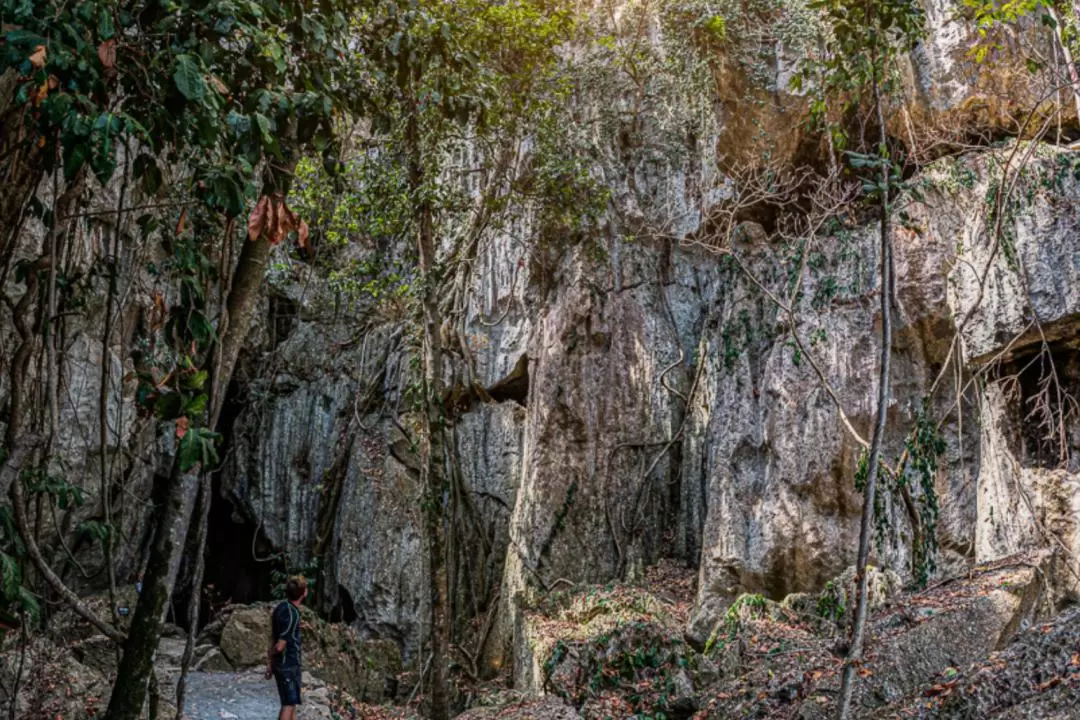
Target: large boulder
<point>1034,678</point>
<point>246,636</point>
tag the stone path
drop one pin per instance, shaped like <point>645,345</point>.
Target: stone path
<point>231,696</point>
<point>246,695</point>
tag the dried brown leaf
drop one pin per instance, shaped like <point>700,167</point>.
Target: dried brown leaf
<point>302,235</point>
<point>257,220</point>
<point>38,57</point>
<point>106,53</point>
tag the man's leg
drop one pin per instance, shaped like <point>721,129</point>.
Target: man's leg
<point>288,712</point>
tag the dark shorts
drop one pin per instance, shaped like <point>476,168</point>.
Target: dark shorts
<point>288,685</point>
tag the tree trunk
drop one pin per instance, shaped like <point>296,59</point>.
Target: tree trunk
<point>129,692</point>
<point>432,465</point>
<point>858,630</point>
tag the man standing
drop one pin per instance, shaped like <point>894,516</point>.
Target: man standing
<point>283,657</point>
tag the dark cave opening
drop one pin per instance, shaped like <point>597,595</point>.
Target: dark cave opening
<point>1043,386</point>
<point>239,559</point>
<point>514,386</point>
<point>284,315</point>
<point>343,611</point>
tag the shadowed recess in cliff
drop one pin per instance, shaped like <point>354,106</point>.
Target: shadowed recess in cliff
<point>462,399</point>
<point>1043,385</point>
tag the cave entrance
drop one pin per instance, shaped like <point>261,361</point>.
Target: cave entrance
<point>1043,385</point>
<point>234,546</point>
<point>239,559</point>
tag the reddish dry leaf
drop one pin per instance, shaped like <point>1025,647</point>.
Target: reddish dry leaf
<point>106,53</point>
<point>273,221</point>
<point>182,222</point>
<point>302,235</point>
<point>181,428</point>
<point>218,85</point>
<point>37,58</point>
<point>257,220</point>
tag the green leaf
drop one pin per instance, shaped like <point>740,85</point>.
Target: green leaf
<point>106,29</point>
<point>189,80</point>
<point>146,169</point>
<point>195,381</point>
<point>74,159</point>
<point>9,577</point>
<point>197,405</point>
<point>264,128</point>
<point>190,450</point>
<point>29,604</point>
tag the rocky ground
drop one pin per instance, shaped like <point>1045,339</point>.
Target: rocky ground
<point>969,647</point>
<point>974,646</point>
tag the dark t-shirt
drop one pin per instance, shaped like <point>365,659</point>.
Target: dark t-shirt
<point>286,626</point>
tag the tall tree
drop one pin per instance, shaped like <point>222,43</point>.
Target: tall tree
<point>859,68</point>
<point>448,70</point>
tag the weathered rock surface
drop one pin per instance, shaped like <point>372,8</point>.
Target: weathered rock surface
<point>662,411</point>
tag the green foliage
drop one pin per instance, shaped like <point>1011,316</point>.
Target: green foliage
<point>16,601</point>
<point>864,40</point>
<point>197,447</point>
<point>279,576</point>
<point>830,603</point>
<point>748,32</point>
<point>205,83</point>
<point>746,605</point>
<point>924,446</point>
<point>991,14</point>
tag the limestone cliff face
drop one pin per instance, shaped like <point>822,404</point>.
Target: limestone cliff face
<point>665,410</point>
<point>650,402</point>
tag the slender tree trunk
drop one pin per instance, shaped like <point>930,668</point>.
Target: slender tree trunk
<point>432,466</point>
<point>1066,53</point>
<point>858,631</point>
<point>129,691</point>
<point>194,604</point>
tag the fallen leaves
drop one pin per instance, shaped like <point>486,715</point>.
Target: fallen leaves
<point>274,219</point>
<point>38,57</point>
<point>940,689</point>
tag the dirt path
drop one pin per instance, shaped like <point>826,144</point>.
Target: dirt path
<point>231,696</point>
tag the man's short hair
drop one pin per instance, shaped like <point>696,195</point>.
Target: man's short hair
<point>295,587</point>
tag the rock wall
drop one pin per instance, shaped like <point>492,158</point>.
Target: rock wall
<point>651,403</point>
<point>668,413</point>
